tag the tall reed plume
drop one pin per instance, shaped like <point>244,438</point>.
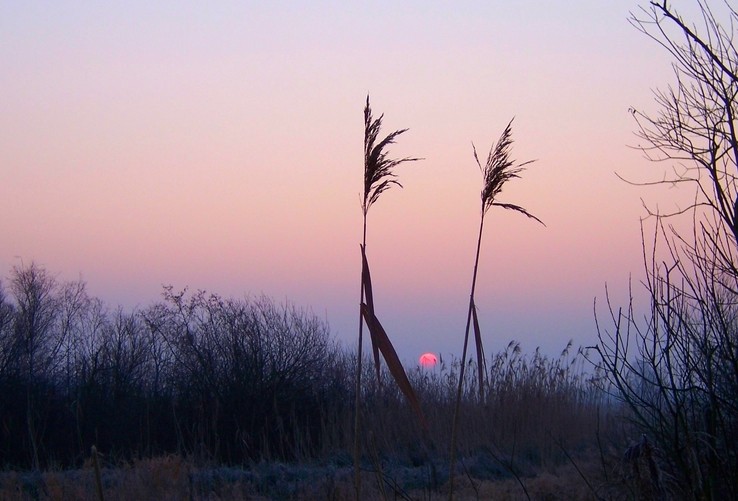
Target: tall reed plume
<point>498,170</point>
<point>378,178</point>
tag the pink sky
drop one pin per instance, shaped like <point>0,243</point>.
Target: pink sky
<point>219,146</point>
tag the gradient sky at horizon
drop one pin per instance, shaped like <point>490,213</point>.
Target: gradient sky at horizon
<point>218,145</point>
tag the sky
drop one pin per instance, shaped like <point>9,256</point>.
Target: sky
<point>219,146</point>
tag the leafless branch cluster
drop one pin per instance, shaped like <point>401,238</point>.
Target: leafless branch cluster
<point>695,127</point>
<point>676,369</point>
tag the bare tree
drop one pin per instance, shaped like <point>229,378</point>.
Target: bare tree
<point>246,373</point>
<point>34,292</point>
<point>7,346</point>
<point>695,127</point>
<point>677,370</point>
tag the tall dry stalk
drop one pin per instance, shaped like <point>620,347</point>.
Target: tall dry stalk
<point>98,478</point>
<point>498,169</point>
<point>378,178</point>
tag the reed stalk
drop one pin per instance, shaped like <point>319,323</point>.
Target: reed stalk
<point>378,178</point>
<point>498,169</point>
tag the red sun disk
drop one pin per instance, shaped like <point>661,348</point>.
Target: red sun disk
<point>428,360</point>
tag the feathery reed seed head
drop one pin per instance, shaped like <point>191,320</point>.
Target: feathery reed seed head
<point>499,169</point>
<point>378,175</point>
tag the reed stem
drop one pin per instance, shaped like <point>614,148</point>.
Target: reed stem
<point>460,387</point>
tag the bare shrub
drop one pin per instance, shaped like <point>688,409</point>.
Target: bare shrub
<point>676,370</point>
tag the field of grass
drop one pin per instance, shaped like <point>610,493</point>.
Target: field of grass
<point>172,477</point>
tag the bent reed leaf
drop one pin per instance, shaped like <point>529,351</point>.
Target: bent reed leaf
<point>481,360</point>
<point>393,362</point>
<point>366,281</point>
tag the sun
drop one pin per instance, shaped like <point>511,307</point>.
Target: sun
<point>428,360</point>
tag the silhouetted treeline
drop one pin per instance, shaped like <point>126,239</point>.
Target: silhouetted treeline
<point>197,374</point>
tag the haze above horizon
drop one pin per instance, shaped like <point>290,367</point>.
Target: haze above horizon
<point>219,147</point>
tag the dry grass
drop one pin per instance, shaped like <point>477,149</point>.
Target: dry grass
<point>542,428</point>
<point>174,478</point>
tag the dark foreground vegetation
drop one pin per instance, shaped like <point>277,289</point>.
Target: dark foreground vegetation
<point>213,394</point>
<point>205,396</point>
